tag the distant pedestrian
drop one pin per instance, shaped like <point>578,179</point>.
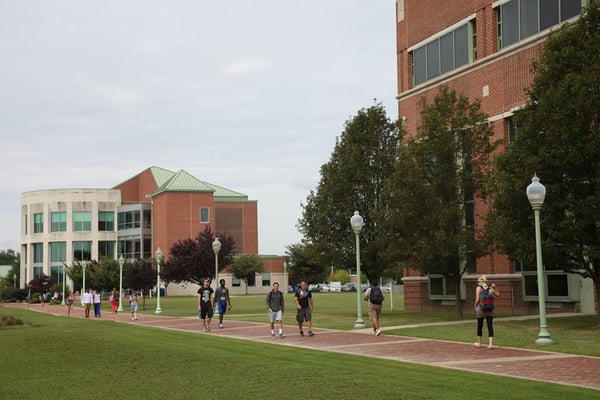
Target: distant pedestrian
<point>304,305</point>
<point>375,298</point>
<point>43,299</point>
<point>70,301</point>
<point>114,300</point>
<point>97,298</point>
<point>222,300</point>
<point>133,305</point>
<point>206,303</point>
<point>87,299</point>
<point>485,297</point>
<point>275,307</point>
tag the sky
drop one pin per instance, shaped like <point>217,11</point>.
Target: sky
<point>247,95</point>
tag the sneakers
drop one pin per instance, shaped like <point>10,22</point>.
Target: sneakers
<point>310,333</point>
<point>207,329</point>
<point>301,333</point>
<point>378,332</point>
<point>272,336</point>
<point>281,335</point>
<point>220,326</point>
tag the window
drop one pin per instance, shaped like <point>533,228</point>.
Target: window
<point>38,253</point>
<point>106,221</point>
<point>236,282</point>
<point>444,54</point>
<point>560,286</point>
<point>106,249</point>
<point>266,279</point>
<point>129,220</point>
<point>82,221</point>
<point>520,19</point>
<point>130,247</point>
<point>37,272</point>
<point>58,252</point>
<point>38,223</point>
<point>82,251</point>
<point>56,274</point>
<point>511,128</point>
<point>58,222</point>
<point>204,215</point>
<point>441,288</point>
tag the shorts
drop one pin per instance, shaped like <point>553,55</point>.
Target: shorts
<point>275,315</point>
<point>374,311</point>
<point>205,312</point>
<point>134,307</point>
<point>222,306</point>
<point>303,314</point>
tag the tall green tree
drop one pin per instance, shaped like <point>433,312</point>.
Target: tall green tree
<point>303,264</point>
<point>429,200</point>
<point>558,138</point>
<point>353,179</point>
<point>12,258</point>
<point>246,266</point>
<point>192,260</point>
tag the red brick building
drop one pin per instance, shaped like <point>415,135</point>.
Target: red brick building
<point>484,50</point>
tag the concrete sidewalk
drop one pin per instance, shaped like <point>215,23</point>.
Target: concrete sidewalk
<point>546,366</point>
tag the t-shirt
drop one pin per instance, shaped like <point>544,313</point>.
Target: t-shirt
<point>303,296</point>
<point>204,293</point>
<point>221,294</point>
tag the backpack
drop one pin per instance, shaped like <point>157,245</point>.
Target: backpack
<point>375,295</point>
<point>486,299</point>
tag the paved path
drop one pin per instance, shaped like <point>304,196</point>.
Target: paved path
<point>537,365</point>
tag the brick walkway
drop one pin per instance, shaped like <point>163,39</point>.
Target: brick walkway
<point>537,365</point>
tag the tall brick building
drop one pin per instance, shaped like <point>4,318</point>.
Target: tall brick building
<point>484,50</point>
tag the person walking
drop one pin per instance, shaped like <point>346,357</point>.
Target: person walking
<point>304,305</point>
<point>206,303</point>
<point>70,301</point>
<point>87,299</point>
<point>223,301</point>
<point>275,307</point>
<point>133,305</point>
<point>114,300</point>
<point>485,297</point>
<point>97,298</point>
<point>374,297</point>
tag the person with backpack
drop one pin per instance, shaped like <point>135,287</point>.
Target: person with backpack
<point>275,306</point>
<point>485,296</point>
<point>374,297</point>
<point>304,306</point>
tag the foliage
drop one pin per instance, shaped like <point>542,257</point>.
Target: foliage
<point>11,294</point>
<point>245,266</point>
<point>352,179</point>
<point>340,275</point>
<point>105,274</point>
<point>41,284</point>
<point>558,138</point>
<point>429,214</point>
<point>303,264</point>
<point>192,260</point>
<point>12,258</point>
<point>75,272</point>
<point>140,275</point>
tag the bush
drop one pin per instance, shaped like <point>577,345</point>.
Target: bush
<point>11,295</point>
<point>10,321</point>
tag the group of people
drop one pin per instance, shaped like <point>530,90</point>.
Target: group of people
<point>92,298</point>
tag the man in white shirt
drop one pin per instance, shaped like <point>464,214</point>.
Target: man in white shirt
<point>86,300</point>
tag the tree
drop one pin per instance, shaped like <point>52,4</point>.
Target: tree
<point>353,179</point>
<point>246,266</point>
<point>12,258</point>
<point>140,275</point>
<point>558,138</point>
<point>429,199</point>
<point>105,274</point>
<point>303,264</point>
<point>192,260</point>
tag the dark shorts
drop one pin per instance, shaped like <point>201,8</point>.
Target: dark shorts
<point>205,312</point>
<point>222,307</point>
<point>303,314</point>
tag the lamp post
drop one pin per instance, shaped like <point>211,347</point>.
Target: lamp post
<point>62,303</point>
<point>121,263</point>
<point>357,223</point>
<point>83,285</point>
<point>216,245</point>
<point>159,255</point>
<point>536,192</point>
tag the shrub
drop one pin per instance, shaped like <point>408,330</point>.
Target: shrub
<point>11,295</point>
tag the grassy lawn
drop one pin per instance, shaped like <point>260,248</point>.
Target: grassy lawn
<point>54,357</point>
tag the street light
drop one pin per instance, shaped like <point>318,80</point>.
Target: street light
<point>121,263</point>
<point>357,223</point>
<point>536,192</point>
<point>83,286</point>
<point>216,245</point>
<point>159,255</point>
<point>62,303</point>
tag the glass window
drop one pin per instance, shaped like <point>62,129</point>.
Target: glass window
<point>419,65</point>
<point>106,249</point>
<point>204,215</point>
<point>129,220</point>
<point>433,59</point>
<point>266,279</point>
<point>56,274</point>
<point>58,222</point>
<point>38,223</point>
<point>38,253</point>
<point>82,221</point>
<point>529,17</point>
<point>549,14</point>
<point>37,272</point>
<point>106,221</point>
<point>447,52</point>
<point>236,282</point>
<point>461,46</point>
<point>130,247</point>
<point>569,9</point>
<point>510,22</point>
<point>82,251</point>
<point>58,252</point>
